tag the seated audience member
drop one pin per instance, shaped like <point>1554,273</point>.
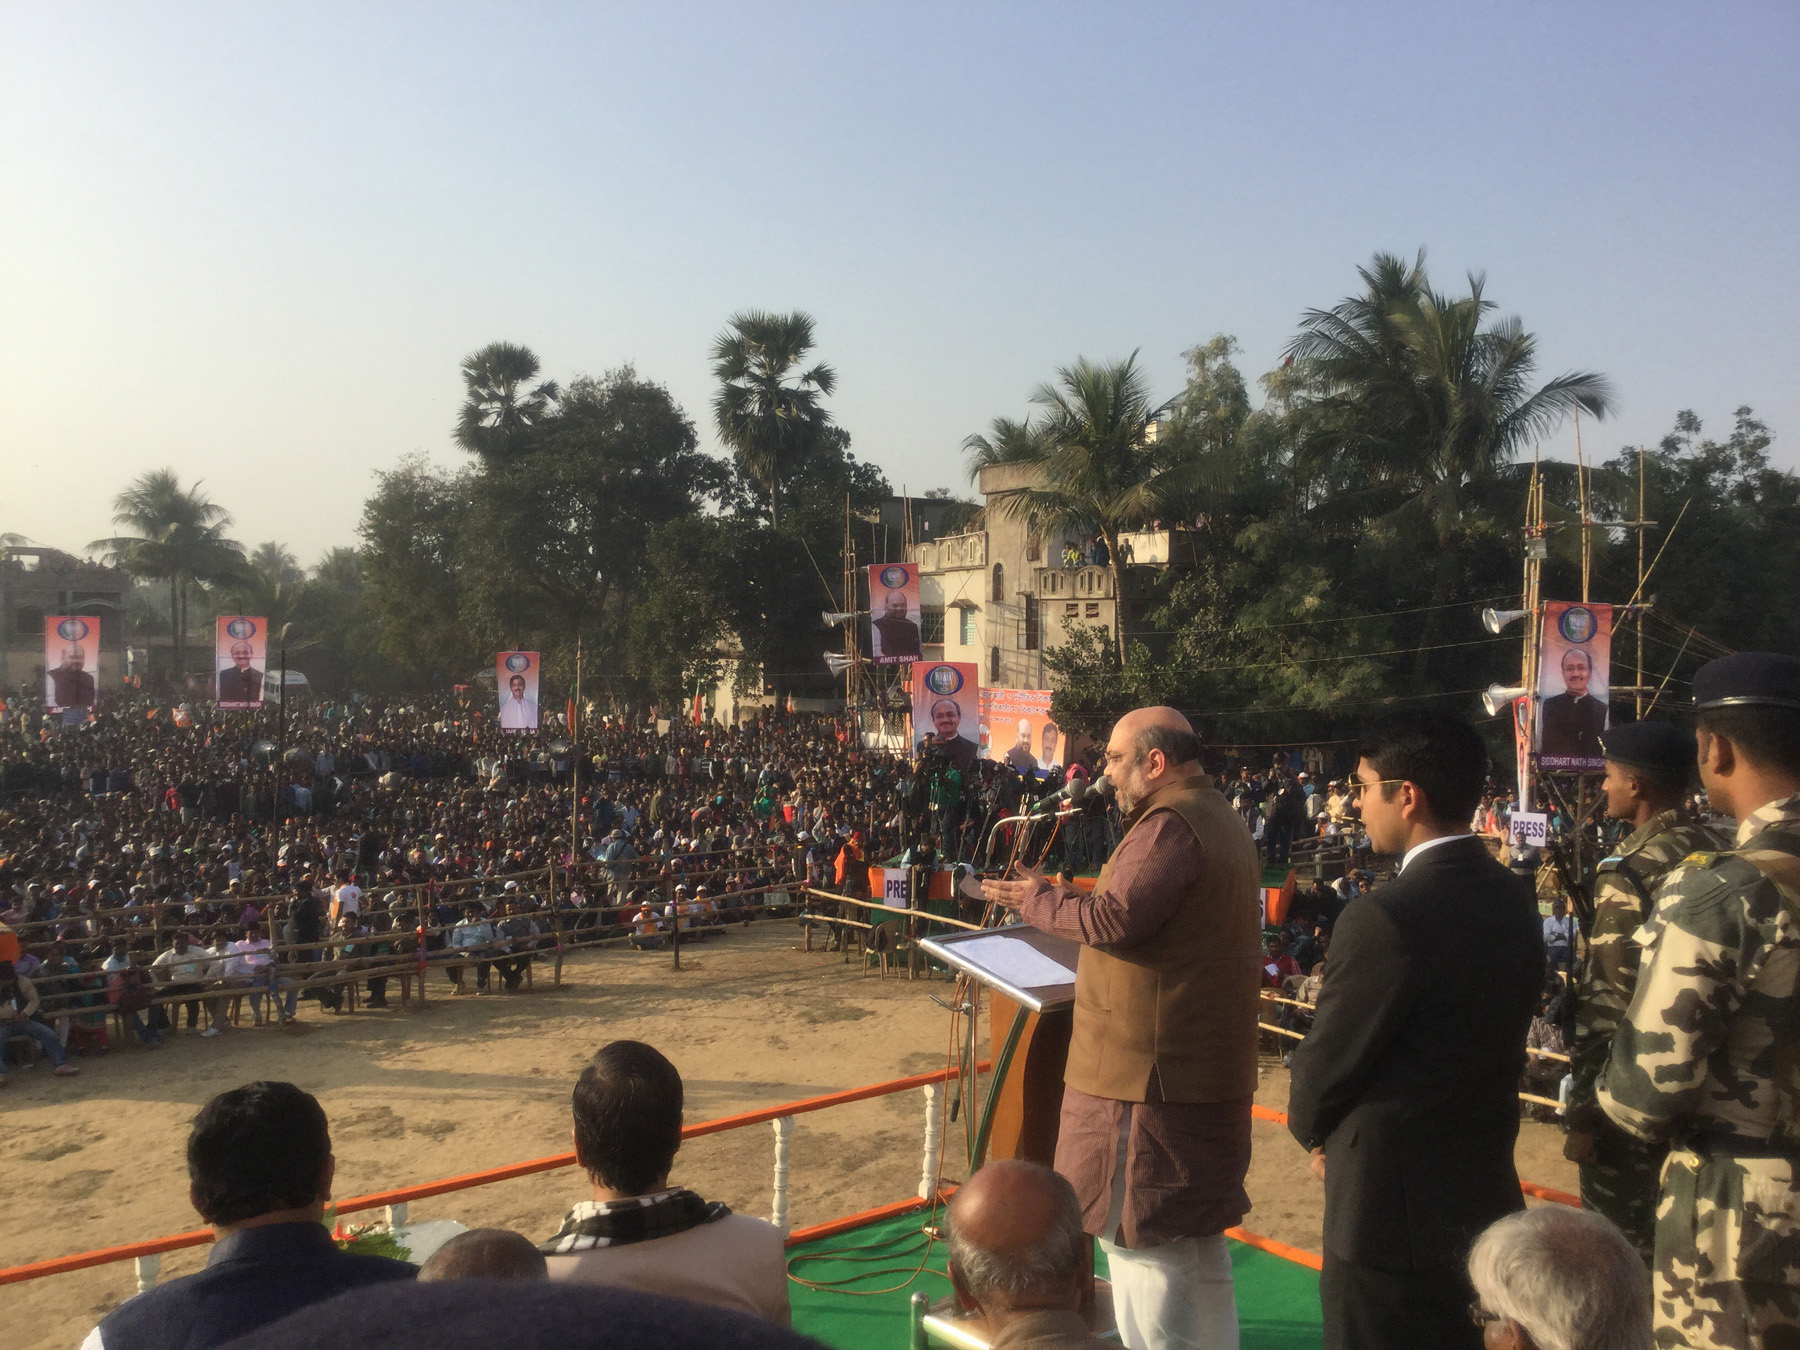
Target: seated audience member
<point>259,1171</point>
<point>1555,1278</point>
<point>1278,967</point>
<point>1016,1257</point>
<point>488,1315</point>
<point>486,1254</point>
<point>18,1008</point>
<point>181,969</point>
<point>638,1231</point>
<point>473,933</point>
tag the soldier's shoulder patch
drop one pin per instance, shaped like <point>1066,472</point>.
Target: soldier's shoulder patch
<point>1702,858</point>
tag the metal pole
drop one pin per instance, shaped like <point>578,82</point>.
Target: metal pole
<point>1638,692</point>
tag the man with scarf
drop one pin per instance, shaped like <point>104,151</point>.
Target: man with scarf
<point>638,1232</point>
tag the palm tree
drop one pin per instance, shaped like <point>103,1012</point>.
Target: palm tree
<point>175,534</point>
<point>1417,404</point>
<point>1413,392</point>
<point>1098,470</point>
<point>500,399</point>
<point>268,585</point>
<point>768,410</point>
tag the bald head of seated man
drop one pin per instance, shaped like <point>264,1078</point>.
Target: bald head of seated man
<point>1018,1257</point>
<point>486,1254</point>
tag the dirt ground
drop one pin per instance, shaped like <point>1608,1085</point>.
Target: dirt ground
<point>467,1084</point>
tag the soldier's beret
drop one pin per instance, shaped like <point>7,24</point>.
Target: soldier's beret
<point>1748,679</point>
<point>1650,745</point>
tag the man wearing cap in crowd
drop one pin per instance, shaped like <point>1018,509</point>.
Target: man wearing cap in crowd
<point>1708,1055</point>
<point>1648,765</point>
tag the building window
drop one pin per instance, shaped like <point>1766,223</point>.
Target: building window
<point>29,619</point>
<point>1034,547</point>
<point>969,638</point>
<point>931,624</point>
<point>1093,609</point>
<point>993,665</point>
<point>1072,610</point>
<point>1031,624</point>
<point>999,596</point>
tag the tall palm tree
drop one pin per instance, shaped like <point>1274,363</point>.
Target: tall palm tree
<point>1421,403</point>
<point>1098,470</point>
<point>501,401</point>
<point>268,584</point>
<point>173,534</point>
<point>768,408</point>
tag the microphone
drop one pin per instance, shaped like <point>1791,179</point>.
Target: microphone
<point>1074,792</point>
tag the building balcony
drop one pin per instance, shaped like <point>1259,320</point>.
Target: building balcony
<point>953,553</point>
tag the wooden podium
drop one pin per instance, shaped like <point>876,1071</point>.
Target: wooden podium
<point>1028,1102</point>
<point>1030,979</point>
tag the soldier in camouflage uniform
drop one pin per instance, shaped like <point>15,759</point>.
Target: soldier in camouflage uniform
<point>1708,1056</point>
<point>1648,765</point>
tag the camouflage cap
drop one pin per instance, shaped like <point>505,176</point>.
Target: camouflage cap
<point>1650,745</point>
<point>1748,679</point>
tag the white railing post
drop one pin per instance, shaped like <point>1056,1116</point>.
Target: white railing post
<point>396,1216</point>
<point>778,1209</point>
<point>934,1140</point>
<point>148,1268</point>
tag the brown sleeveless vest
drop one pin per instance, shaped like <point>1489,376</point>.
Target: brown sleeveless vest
<point>1182,1004</point>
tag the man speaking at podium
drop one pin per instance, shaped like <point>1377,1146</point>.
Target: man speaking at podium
<point>1155,1127</point>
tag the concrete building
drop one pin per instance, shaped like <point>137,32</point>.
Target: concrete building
<point>1000,597</point>
<point>35,582</point>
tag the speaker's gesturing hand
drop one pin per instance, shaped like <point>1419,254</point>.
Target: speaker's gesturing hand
<point>1012,893</point>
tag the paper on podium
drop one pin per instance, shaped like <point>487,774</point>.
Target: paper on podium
<point>1015,962</point>
<point>1035,968</point>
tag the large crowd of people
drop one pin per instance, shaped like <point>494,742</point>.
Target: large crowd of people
<point>157,861</point>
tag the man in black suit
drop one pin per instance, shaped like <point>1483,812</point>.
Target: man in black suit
<point>1405,1089</point>
<point>71,686</point>
<point>1574,719</point>
<point>241,682</point>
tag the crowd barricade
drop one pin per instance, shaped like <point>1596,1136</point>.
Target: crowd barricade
<point>148,1254</point>
<point>1270,997</point>
<point>416,942</point>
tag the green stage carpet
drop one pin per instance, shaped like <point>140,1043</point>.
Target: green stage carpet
<point>1278,1301</point>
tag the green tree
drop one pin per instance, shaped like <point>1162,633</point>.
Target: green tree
<point>173,534</point>
<point>501,403</point>
<point>268,584</point>
<point>413,560</point>
<point>1098,470</point>
<point>569,516</point>
<point>1414,405</point>
<point>768,409</point>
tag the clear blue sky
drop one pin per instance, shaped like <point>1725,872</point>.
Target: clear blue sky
<point>254,241</point>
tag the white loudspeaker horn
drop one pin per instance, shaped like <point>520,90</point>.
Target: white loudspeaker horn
<point>831,618</point>
<point>1499,697</point>
<point>838,662</point>
<point>1496,619</point>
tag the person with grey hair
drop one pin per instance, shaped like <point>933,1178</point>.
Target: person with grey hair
<point>486,1254</point>
<point>1016,1257</point>
<point>1154,1133</point>
<point>1556,1278</point>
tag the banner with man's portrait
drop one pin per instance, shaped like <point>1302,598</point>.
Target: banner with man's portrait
<point>1574,666</point>
<point>240,658</point>
<point>894,614</point>
<point>1018,729</point>
<point>71,661</point>
<point>517,675</point>
<point>947,706</point>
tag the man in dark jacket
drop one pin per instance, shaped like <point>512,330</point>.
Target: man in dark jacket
<point>1405,1090</point>
<point>259,1171</point>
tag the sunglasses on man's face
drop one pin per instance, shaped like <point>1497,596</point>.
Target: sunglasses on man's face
<point>1358,787</point>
